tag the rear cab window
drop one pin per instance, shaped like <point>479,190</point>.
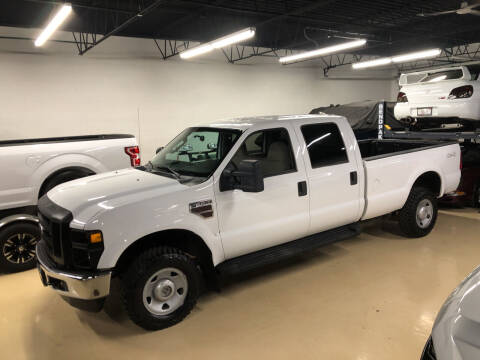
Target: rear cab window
<point>442,75</point>
<point>324,144</point>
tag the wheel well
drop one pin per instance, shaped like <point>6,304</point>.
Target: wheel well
<point>185,240</point>
<point>430,180</point>
<point>81,171</point>
<point>17,219</point>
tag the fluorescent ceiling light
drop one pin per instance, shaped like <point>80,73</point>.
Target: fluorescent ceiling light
<point>219,43</point>
<point>57,20</point>
<point>417,55</point>
<point>398,59</point>
<point>323,51</point>
<point>371,63</point>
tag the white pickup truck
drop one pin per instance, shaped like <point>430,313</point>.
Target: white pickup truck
<point>228,197</point>
<point>31,167</point>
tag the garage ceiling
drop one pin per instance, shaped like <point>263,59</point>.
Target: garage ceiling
<point>390,26</point>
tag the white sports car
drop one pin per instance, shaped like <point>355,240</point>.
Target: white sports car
<point>433,97</point>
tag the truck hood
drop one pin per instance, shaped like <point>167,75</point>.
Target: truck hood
<point>87,197</point>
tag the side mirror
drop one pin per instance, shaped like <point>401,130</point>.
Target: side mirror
<point>248,177</point>
<point>159,149</point>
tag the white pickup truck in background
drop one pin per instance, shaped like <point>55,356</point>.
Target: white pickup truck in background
<point>31,167</point>
<point>228,197</point>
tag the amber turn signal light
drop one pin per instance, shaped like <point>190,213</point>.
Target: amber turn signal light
<point>96,238</point>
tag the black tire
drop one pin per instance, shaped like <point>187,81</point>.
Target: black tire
<point>63,177</point>
<point>408,214</point>
<point>476,196</point>
<point>135,278</point>
<point>17,241</point>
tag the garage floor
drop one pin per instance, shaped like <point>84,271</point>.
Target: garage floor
<point>372,297</point>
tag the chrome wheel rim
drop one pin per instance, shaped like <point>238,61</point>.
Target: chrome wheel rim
<point>165,291</point>
<point>20,248</point>
<point>424,213</point>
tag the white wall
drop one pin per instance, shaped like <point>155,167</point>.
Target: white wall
<point>123,86</point>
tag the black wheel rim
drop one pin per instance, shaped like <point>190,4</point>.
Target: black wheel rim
<point>20,248</point>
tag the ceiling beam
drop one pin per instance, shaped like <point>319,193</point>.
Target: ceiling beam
<point>123,25</point>
<point>89,7</point>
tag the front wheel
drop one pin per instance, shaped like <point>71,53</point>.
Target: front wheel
<point>17,246</point>
<point>419,214</point>
<point>160,287</point>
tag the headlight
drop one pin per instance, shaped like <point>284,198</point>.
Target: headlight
<point>87,248</point>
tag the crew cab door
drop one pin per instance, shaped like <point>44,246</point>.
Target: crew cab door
<point>253,221</point>
<point>335,181</point>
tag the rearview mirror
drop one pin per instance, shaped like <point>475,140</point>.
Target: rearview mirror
<point>248,177</point>
<point>159,149</point>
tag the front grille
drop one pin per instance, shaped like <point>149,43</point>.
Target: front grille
<point>429,351</point>
<point>68,248</point>
<point>55,225</point>
<point>50,233</point>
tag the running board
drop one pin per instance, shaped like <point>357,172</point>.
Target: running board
<point>279,252</point>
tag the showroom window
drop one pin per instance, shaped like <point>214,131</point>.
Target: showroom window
<point>272,148</point>
<point>325,144</point>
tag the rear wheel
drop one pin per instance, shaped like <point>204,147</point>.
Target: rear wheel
<point>17,246</point>
<point>160,287</point>
<point>419,214</point>
<point>476,196</point>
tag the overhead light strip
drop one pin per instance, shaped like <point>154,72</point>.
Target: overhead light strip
<point>57,20</point>
<point>234,38</point>
<point>416,55</point>
<point>398,59</point>
<point>323,51</point>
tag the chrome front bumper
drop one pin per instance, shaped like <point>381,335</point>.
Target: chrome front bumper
<point>77,285</point>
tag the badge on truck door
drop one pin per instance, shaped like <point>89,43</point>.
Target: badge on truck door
<point>203,208</point>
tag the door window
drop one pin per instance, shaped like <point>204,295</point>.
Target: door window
<point>325,144</point>
<point>272,148</point>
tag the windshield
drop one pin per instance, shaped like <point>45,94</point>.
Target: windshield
<point>195,152</point>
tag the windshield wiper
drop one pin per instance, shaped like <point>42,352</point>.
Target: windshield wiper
<point>170,170</point>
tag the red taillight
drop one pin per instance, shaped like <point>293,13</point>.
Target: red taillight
<point>402,97</point>
<point>134,153</point>
<point>462,92</point>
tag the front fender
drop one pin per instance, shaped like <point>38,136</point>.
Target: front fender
<point>114,250</point>
<point>125,220</point>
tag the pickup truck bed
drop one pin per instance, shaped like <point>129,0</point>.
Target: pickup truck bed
<point>392,166</point>
<point>64,139</point>
<point>372,149</point>
<point>31,167</point>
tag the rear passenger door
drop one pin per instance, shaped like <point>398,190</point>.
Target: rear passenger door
<point>253,221</point>
<point>335,195</point>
